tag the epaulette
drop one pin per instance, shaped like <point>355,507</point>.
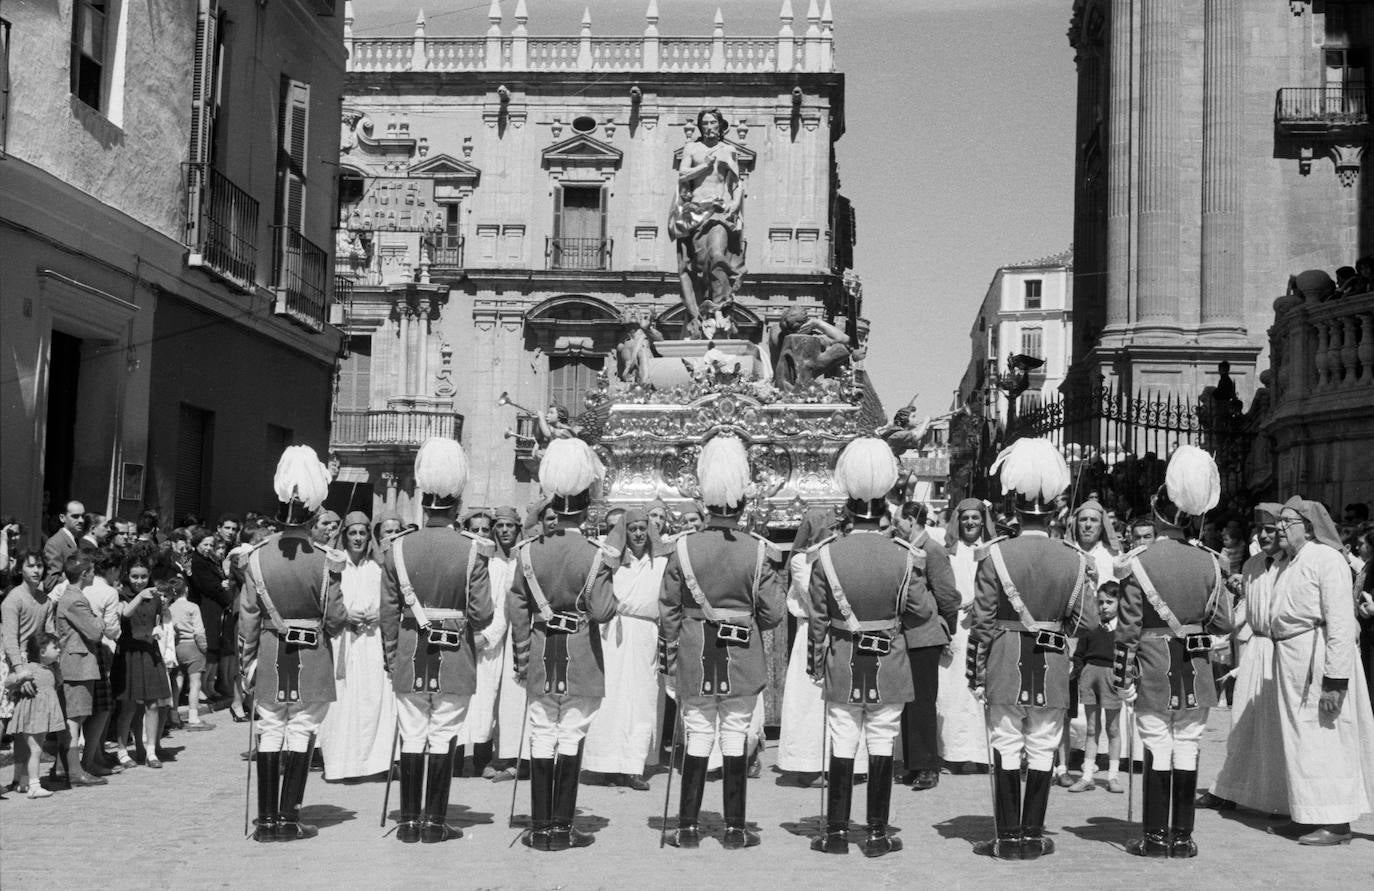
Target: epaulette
<point>241,558</point>
<point>334,558</point>
<point>1121,564</point>
<point>771,551</point>
<point>404,532</point>
<point>908,545</point>
<point>485,546</point>
<point>1197,543</point>
<point>981,552</point>
<point>815,548</point>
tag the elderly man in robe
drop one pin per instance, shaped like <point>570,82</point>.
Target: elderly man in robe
<point>1328,729</point>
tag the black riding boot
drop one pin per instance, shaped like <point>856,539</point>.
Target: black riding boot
<point>837,806</point>
<point>481,757</point>
<point>1154,812</point>
<point>1033,841</point>
<point>879,841</point>
<point>566,770</point>
<point>269,778</point>
<point>541,804</point>
<point>734,774</point>
<point>459,756</point>
<point>412,786</point>
<point>1181,842</point>
<point>688,835</point>
<point>1006,806</point>
<point>295,770</point>
<point>438,781</point>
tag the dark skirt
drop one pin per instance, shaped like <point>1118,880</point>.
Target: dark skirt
<point>104,694</point>
<point>140,675</point>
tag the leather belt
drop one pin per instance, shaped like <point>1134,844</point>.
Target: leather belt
<point>1018,626</point>
<point>719,615</point>
<point>891,626</point>
<point>1158,633</point>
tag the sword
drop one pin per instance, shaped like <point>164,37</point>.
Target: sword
<point>390,772</point>
<point>1130,764</point>
<point>519,749</point>
<point>252,755</point>
<point>992,771</point>
<point>825,772</point>
<point>668,790</point>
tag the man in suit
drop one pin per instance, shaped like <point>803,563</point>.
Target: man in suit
<point>64,543</point>
<point>80,632</point>
<point>97,528</point>
<point>722,589</point>
<point>1172,604</point>
<point>289,609</point>
<point>925,641</point>
<point>1033,594</point>
<point>436,597</point>
<point>863,589</point>
<point>561,595</point>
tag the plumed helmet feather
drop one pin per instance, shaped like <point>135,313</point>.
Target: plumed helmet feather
<point>723,471</point>
<point>569,467</point>
<point>866,469</point>
<point>1034,468</point>
<point>1192,480</point>
<point>441,467</point>
<point>301,477</point>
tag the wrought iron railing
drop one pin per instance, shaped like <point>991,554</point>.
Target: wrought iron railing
<point>362,428</point>
<point>526,435</point>
<point>302,278</point>
<point>1343,104</point>
<point>448,252</point>
<point>579,253</point>
<point>221,225</point>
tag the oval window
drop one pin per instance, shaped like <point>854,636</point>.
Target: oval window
<point>584,123</point>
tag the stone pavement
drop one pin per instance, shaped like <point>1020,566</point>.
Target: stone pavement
<point>182,827</point>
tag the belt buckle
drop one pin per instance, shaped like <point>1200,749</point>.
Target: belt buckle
<point>729,633</point>
<point>874,642</point>
<point>564,623</point>
<point>302,637</point>
<point>445,638</point>
<point>1197,644</point>
<point>1051,640</point>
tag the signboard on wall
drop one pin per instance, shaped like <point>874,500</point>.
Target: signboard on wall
<point>397,204</point>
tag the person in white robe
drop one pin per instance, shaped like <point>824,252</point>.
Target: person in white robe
<point>475,736</point>
<point>963,734</point>
<point>510,711</point>
<point>355,736</point>
<point>622,731</point>
<point>1254,774</point>
<point>1089,529</point>
<point>1328,728</point>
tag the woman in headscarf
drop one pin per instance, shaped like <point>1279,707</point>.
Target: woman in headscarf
<point>387,527</point>
<point>622,731</point>
<point>510,702</point>
<point>355,737</point>
<point>1094,535</point>
<point>799,740</point>
<point>1328,729</point>
<point>1254,775</point>
<point>963,735</point>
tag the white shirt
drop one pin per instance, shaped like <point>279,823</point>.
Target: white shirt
<point>104,601</point>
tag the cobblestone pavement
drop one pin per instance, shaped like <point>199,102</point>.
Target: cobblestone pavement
<point>182,827</point>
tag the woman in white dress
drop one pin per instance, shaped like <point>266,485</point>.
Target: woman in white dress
<point>963,735</point>
<point>356,735</point>
<point>622,731</point>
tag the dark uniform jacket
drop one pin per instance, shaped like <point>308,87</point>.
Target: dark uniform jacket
<point>740,577</point>
<point>933,574</point>
<point>448,571</point>
<point>877,577</point>
<point>560,654</point>
<point>1171,675</point>
<point>302,580</point>
<point>1056,585</point>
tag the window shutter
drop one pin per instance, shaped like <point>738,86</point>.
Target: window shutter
<point>295,123</point>
<point>602,257</point>
<point>203,81</point>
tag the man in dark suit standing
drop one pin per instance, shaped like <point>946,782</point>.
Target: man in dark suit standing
<point>64,543</point>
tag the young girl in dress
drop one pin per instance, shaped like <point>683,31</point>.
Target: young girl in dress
<point>37,708</point>
<point>143,683</point>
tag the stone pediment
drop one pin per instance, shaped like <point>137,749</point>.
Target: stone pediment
<point>448,170</point>
<point>747,156</point>
<point>582,151</point>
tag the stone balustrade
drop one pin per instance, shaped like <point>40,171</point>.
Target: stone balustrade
<point>1323,349</point>
<point>811,50</point>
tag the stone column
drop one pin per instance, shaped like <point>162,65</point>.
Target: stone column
<point>1158,204</point>
<point>1119,178</point>
<point>1222,226</point>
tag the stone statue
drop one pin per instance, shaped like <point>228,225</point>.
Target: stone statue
<point>705,224</point>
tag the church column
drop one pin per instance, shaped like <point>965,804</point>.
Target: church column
<point>1119,178</point>
<point>1159,242</point>
<point>1222,228</point>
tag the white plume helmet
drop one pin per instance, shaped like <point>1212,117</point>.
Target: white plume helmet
<point>1033,468</point>
<point>301,477</point>
<point>866,469</point>
<point>441,471</point>
<point>1192,480</point>
<point>569,467</point>
<point>723,472</point>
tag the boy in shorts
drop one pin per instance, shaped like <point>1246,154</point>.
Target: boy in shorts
<point>1093,670</point>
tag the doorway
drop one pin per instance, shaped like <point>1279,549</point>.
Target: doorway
<point>59,446</point>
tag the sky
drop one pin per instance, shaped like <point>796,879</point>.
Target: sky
<point>958,149</point>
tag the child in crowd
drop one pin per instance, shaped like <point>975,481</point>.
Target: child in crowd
<point>37,707</point>
<point>1093,670</point>
<point>188,633</point>
<point>165,633</point>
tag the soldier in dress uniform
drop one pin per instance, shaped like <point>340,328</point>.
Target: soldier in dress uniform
<point>1033,594</point>
<point>289,608</point>
<point>435,599</point>
<point>561,595</point>
<point>722,589</point>
<point>861,590</point>
<point>1173,601</point>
